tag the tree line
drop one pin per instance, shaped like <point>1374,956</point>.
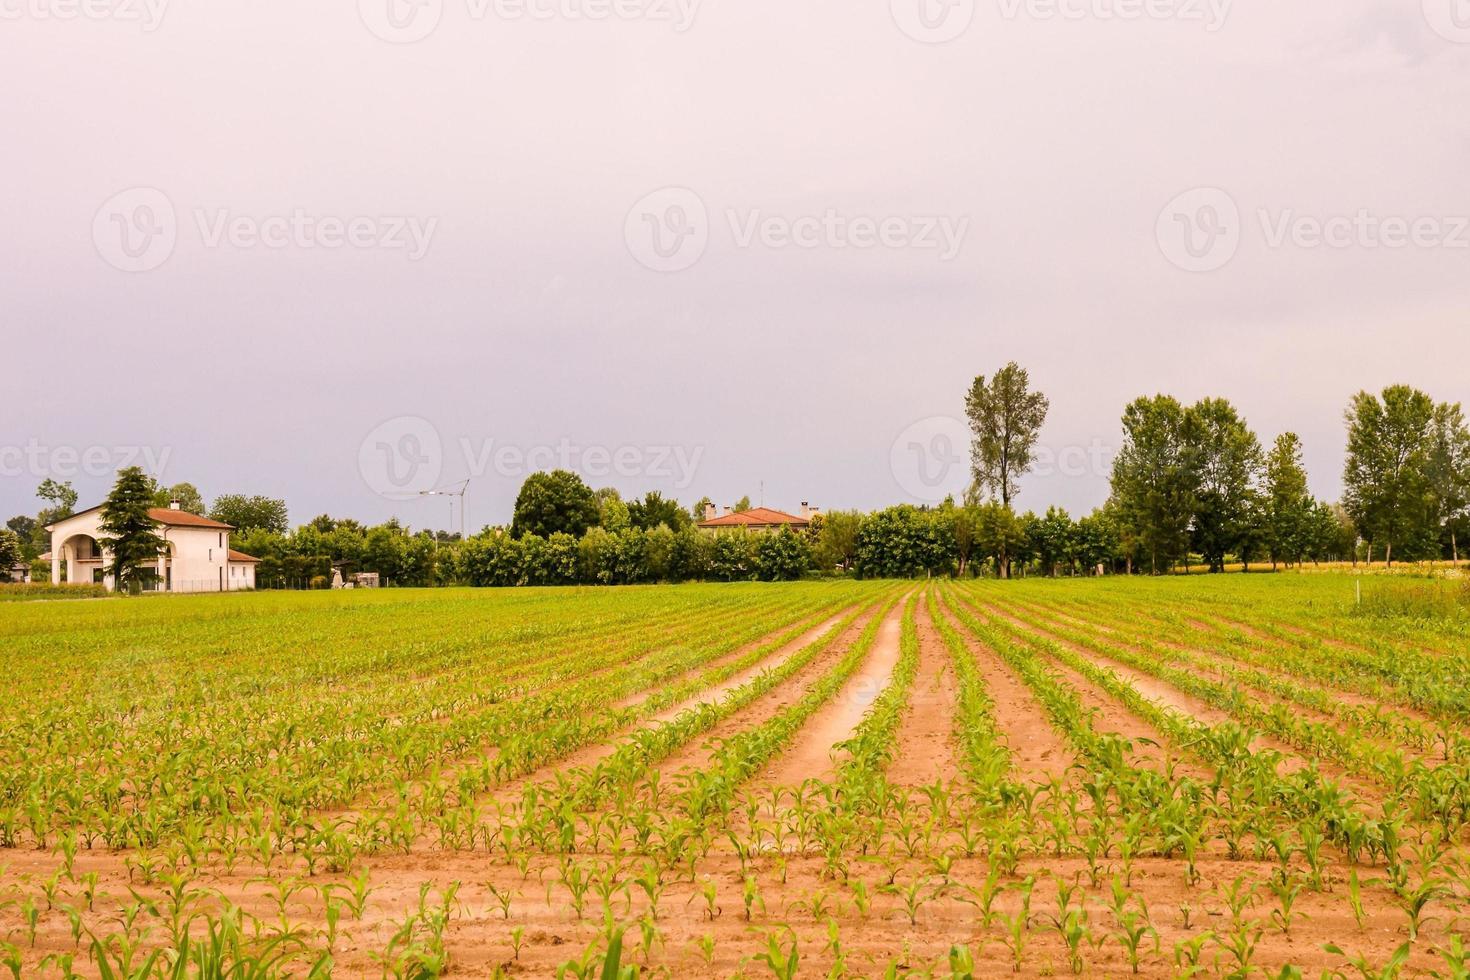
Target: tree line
<point>1190,481</point>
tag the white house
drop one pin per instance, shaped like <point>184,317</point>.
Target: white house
<point>197,557</point>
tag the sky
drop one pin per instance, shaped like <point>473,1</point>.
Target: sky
<point>343,253</point>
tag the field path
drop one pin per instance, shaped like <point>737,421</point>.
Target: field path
<point>811,753</point>
<point>696,753</point>
<point>1038,750</point>
<point>1165,694</point>
<point>926,750</point>
<point>1111,716</point>
<point>592,754</point>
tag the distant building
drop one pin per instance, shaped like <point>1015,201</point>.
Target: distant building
<point>196,558</point>
<point>757,519</point>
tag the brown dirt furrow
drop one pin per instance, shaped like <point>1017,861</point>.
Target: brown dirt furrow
<point>1223,657</point>
<point>926,750</point>
<point>639,697</point>
<point>697,752</point>
<point>1167,695</point>
<point>1038,751</point>
<point>813,751</point>
<point>592,754</point>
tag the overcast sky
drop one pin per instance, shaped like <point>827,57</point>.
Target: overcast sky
<point>342,252</point>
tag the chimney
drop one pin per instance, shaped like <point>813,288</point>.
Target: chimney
<point>709,512</point>
<point>174,504</point>
<point>805,508</point>
<point>727,511</point>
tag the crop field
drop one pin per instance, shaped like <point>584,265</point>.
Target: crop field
<point>1225,776</point>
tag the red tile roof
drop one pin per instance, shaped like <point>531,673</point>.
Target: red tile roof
<point>240,556</point>
<point>182,518</point>
<point>759,517</point>
<point>163,515</point>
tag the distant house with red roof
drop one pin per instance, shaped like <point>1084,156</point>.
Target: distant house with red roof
<point>197,556</point>
<point>757,519</point>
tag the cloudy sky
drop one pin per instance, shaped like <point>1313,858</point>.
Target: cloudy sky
<point>342,252</point>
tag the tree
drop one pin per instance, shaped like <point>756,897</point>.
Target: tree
<point>251,513</point>
<point>63,502</point>
<point>612,514</point>
<point>1449,471</point>
<point>743,504</point>
<point>999,534</point>
<point>62,497</point>
<point>1290,512</point>
<point>188,496</point>
<point>10,553</point>
<point>699,510</point>
<point>837,540</point>
<point>128,532</point>
<point>1096,541</point>
<point>654,510</point>
<point>1005,422</point>
<point>782,557</point>
<point>1224,458</point>
<point>1052,539</point>
<point>963,528</point>
<point>1387,486</point>
<point>1154,480</point>
<point>28,532</point>
<point>552,503</point>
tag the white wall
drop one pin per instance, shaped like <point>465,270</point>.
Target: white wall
<point>200,556</point>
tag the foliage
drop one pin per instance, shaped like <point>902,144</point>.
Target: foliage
<point>1154,480</point>
<point>129,534</point>
<point>1386,479</point>
<point>10,552</point>
<point>904,542</point>
<point>554,503</point>
<point>1005,421</point>
<point>246,514</point>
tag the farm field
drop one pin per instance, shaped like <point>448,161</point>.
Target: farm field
<point>1192,776</point>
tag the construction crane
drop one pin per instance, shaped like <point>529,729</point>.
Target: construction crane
<point>452,490</point>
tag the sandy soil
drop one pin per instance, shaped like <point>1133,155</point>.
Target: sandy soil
<point>927,751</point>
<point>813,754</point>
<point>1038,751</point>
<point>768,704</point>
<point>523,921</point>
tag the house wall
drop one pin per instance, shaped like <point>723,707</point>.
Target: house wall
<point>241,576</point>
<point>64,556</point>
<point>200,556</point>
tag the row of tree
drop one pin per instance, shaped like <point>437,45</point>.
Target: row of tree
<point>1195,479</point>
<point>1189,480</point>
